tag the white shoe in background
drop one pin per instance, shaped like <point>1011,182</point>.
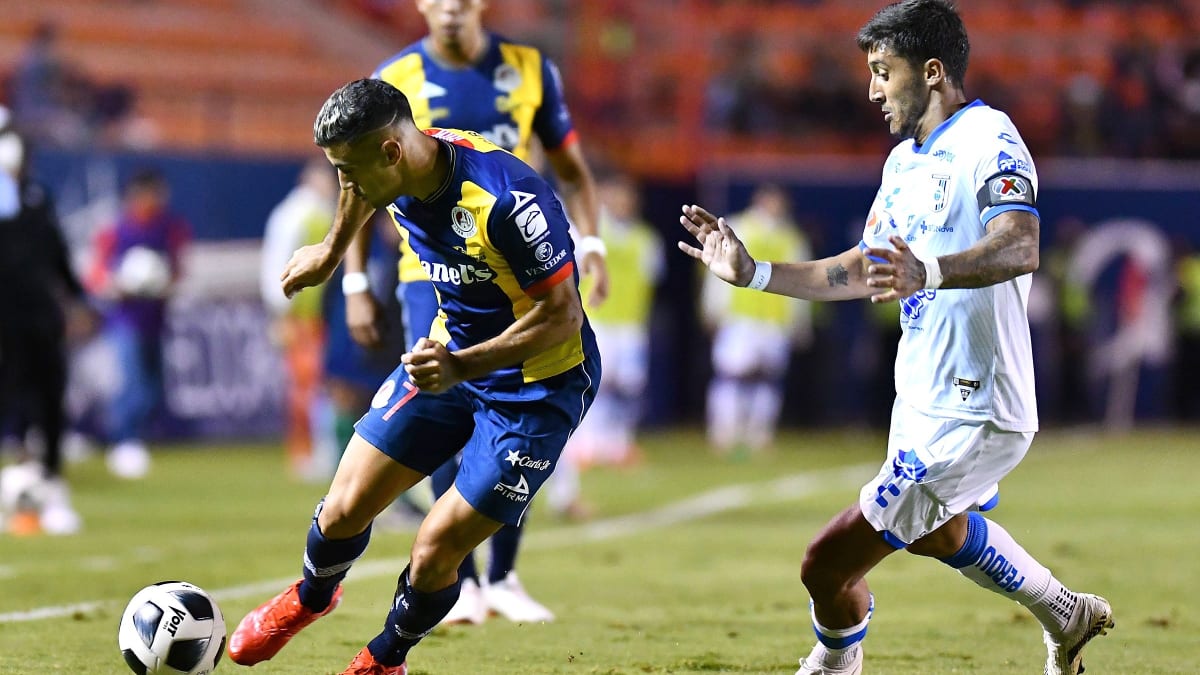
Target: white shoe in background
<point>470,608</point>
<point>508,598</point>
<point>129,460</point>
<point>57,517</point>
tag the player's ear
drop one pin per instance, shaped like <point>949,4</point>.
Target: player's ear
<point>392,150</point>
<point>934,72</point>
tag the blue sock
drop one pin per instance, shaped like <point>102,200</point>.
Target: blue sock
<point>505,543</point>
<point>326,562</point>
<point>414,614</point>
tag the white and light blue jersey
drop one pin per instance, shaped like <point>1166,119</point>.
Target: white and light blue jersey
<point>964,353</point>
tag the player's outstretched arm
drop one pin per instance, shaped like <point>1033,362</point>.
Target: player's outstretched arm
<point>841,277</point>
<point>578,189</point>
<point>1008,250</point>
<point>313,265</point>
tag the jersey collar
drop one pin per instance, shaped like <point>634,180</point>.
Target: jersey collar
<point>923,149</point>
<point>441,191</point>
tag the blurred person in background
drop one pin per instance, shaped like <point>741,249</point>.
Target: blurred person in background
<point>1187,336</point>
<point>508,369</point>
<point>136,263</point>
<point>463,76</point>
<point>42,305</point>
<point>302,218</point>
<point>754,333</point>
<point>635,264</point>
<point>960,188</point>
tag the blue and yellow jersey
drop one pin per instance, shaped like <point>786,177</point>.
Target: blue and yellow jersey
<point>510,95</point>
<point>492,239</point>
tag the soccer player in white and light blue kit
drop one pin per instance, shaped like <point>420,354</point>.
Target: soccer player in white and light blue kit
<point>953,236</point>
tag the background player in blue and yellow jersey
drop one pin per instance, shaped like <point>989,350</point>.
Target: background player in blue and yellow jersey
<point>508,370</point>
<point>462,76</point>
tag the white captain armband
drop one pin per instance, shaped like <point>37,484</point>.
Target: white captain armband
<point>762,276</point>
<point>355,282</point>
<point>591,244</point>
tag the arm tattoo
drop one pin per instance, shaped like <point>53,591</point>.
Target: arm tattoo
<point>837,276</point>
<point>997,257</point>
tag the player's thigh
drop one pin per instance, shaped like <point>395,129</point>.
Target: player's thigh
<point>936,469</point>
<point>366,481</point>
<point>451,530</point>
<point>414,428</point>
<point>514,450</point>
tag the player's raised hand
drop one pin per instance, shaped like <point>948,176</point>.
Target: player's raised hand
<point>720,249</point>
<point>309,266</point>
<point>431,366</point>
<point>902,272</point>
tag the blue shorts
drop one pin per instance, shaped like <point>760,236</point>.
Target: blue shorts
<point>510,439</point>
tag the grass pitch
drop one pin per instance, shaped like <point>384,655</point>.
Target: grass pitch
<point>691,565</point>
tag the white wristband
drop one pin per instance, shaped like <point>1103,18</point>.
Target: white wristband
<point>355,282</point>
<point>933,274</point>
<point>762,276</point>
<point>591,244</point>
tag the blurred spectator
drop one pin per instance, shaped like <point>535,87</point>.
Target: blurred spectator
<point>1073,401</point>
<point>37,284</point>
<point>754,333</point>
<point>135,268</point>
<point>1187,338</point>
<point>635,263</point>
<point>57,104</point>
<point>302,218</point>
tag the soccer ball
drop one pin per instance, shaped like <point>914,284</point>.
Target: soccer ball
<point>143,272</point>
<point>172,627</point>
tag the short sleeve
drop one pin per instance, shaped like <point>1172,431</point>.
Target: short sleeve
<point>1005,178</point>
<point>552,123</point>
<point>529,228</point>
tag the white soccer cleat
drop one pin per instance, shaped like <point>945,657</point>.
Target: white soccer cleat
<point>508,599</point>
<point>470,607</point>
<point>129,460</point>
<point>1092,617</point>
<point>58,517</point>
<point>850,663</point>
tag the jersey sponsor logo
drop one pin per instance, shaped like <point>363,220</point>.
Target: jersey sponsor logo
<point>461,274</point>
<point>908,466</point>
<point>966,387</point>
<point>462,222</point>
<point>1007,138</point>
<point>940,193</point>
<point>381,398</point>
<point>944,155</point>
<point>544,252</point>
<point>548,265</point>
<point>913,306</point>
<point>528,216</point>
<point>1009,164</point>
<point>515,458</point>
<point>450,137</point>
<point>516,493</point>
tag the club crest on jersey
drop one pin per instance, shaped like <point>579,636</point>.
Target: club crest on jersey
<point>528,216</point>
<point>544,251</point>
<point>462,222</point>
<point>940,182</point>
<point>506,78</point>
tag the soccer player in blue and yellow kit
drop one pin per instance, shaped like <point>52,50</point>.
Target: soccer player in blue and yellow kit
<point>506,373</point>
<point>462,76</point>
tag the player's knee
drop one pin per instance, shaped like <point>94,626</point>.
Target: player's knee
<point>343,517</point>
<point>433,566</point>
<point>817,572</point>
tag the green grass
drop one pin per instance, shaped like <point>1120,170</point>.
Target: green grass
<point>641,589</point>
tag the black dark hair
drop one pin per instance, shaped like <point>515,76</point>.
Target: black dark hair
<point>358,108</point>
<point>147,178</point>
<point>919,30</point>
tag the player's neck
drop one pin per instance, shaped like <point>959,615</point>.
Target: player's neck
<point>942,106</point>
<point>461,54</point>
<point>431,169</point>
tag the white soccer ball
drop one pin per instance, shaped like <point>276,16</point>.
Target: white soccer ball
<point>172,627</point>
<point>143,272</point>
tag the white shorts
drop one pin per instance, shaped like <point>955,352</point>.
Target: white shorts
<point>937,468</point>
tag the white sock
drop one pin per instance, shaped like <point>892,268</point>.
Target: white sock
<point>835,646</point>
<point>994,560</point>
